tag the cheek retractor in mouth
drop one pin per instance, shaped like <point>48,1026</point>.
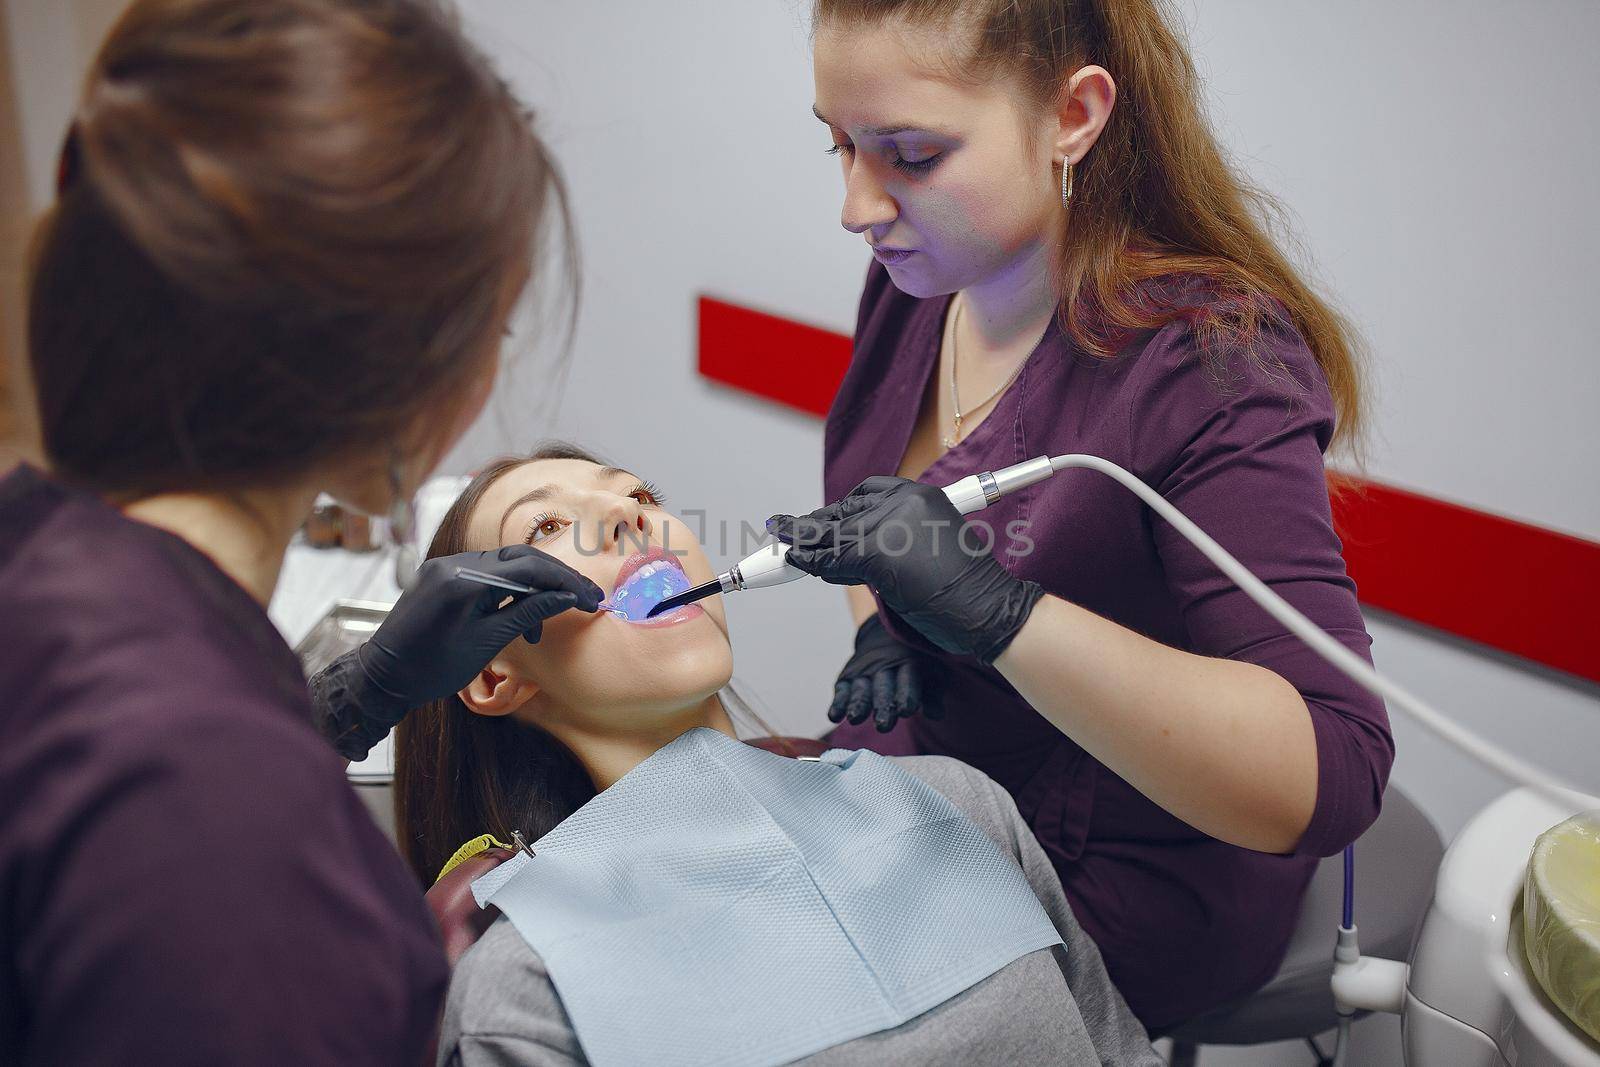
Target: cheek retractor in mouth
<point>645,588</point>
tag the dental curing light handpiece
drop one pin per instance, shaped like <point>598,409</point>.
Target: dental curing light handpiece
<point>769,565</point>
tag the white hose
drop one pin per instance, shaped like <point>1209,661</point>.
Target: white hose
<point>1496,759</point>
<point>1341,1045</point>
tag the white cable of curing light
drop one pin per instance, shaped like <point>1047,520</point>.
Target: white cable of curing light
<point>1496,759</point>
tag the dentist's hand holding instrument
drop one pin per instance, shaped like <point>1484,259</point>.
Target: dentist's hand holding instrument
<point>903,538</point>
<point>441,633</point>
<point>960,599</point>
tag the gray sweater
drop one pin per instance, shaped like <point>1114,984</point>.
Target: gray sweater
<point>1053,1006</point>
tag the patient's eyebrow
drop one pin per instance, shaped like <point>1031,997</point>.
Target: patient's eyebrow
<point>545,492</point>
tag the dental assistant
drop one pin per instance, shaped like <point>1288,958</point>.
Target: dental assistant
<point>287,240</point>
<point>1066,263</point>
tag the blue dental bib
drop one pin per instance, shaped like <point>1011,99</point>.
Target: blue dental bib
<point>723,905</point>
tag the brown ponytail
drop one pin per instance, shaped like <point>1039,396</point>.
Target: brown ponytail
<point>288,231</point>
<point>1155,200</point>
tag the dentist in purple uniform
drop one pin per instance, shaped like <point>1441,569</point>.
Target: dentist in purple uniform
<point>1065,263</point>
<point>287,239</point>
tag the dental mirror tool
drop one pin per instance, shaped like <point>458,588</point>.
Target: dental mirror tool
<point>497,582</point>
<point>769,565</point>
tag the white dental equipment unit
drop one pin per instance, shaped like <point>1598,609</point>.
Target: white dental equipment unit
<point>1466,997</point>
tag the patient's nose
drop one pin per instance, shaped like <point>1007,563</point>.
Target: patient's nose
<point>627,528</point>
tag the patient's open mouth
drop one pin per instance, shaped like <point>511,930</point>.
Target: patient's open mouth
<point>646,579</point>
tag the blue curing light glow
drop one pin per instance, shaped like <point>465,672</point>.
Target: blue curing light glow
<point>642,591</point>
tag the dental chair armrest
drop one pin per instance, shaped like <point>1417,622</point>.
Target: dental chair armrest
<point>461,922</point>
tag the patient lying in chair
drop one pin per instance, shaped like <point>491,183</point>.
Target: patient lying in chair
<point>609,744</point>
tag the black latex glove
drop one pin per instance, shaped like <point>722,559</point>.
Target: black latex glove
<point>886,680</point>
<point>444,629</point>
<point>903,539</point>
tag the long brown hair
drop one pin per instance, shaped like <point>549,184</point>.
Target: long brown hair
<point>458,775</point>
<point>1155,201</point>
<point>288,231</point>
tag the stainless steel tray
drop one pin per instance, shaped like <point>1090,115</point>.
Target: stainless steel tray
<point>346,625</point>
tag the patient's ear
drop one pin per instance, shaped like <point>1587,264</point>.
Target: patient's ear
<point>497,691</point>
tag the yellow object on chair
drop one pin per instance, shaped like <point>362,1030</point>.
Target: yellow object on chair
<point>482,843</point>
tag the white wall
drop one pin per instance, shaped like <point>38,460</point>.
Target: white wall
<point>1441,160</point>
<point>52,42</point>
<point>47,64</point>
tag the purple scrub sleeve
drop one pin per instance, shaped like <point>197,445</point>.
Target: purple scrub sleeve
<point>185,876</point>
<point>1185,922</point>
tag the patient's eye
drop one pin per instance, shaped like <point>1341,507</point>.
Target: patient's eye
<point>648,488</point>
<point>538,527</point>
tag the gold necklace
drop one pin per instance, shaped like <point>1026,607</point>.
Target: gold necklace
<point>951,439</point>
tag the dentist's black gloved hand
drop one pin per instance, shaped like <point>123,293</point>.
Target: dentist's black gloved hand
<point>444,629</point>
<point>903,539</point>
<point>438,636</point>
<point>887,681</point>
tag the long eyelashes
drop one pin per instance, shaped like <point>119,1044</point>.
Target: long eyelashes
<point>915,168</point>
<point>911,168</point>
<point>657,499</point>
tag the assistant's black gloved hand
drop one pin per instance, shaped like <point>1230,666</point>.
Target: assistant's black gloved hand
<point>886,680</point>
<point>444,629</point>
<point>903,539</point>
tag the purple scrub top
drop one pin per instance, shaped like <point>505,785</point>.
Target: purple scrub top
<point>185,875</point>
<point>1185,922</point>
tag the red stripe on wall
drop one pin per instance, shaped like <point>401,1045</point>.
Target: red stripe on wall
<point>772,357</point>
<point>1522,589</point>
<point>1519,588</point>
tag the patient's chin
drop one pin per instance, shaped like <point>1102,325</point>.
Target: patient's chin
<point>604,686</point>
<point>689,674</point>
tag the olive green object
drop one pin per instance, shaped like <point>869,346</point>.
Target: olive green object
<point>1561,918</point>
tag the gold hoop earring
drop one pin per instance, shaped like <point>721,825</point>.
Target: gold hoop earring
<point>1066,183</point>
